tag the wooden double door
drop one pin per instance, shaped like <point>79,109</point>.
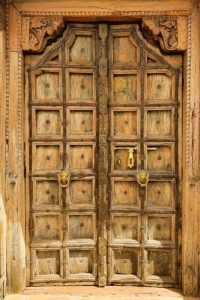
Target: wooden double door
<point>104,106</point>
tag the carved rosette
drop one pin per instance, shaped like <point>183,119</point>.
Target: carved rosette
<point>163,29</point>
<point>36,31</point>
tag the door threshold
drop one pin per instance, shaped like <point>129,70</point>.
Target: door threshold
<point>95,293</point>
<point>106,291</point>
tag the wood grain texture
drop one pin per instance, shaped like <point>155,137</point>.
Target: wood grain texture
<point>47,263</point>
<point>160,265</point>
<point>159,123</point>
<point>3,220</point>
<point>47,86</point>
<point>159,87</point>
<point>190,190</point>
<point>160,194</point>
<point>99,7</point>
<point>125,87</point>
<point>15,190</point>
<point>46,192</point>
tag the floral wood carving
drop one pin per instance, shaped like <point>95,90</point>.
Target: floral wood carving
<point>163,29</point>
<point>36,31</point>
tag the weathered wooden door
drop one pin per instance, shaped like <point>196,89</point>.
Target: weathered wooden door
<point>103,106</point>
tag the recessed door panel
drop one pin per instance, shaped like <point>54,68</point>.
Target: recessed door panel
<point>124,193</point>
<point>81,85</point>
<point>159,86</point>
<point>160,266</point>
<point>125,86</point>
<point>81,227</point>
<point>47,227</point>
<point>82,192</point>
<point>160,158</point>
<point>125,266</point>
<point>126,123</point>
<point>47,122</point>
<point>46,193</point>
<point>159,123</point>
<point>160,194</point>
<point>47,85</point>
<point>82,123</point>
<point>47,264</point>
<point>125,228</point>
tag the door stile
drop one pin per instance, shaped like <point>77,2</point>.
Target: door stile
<point>142,189</point>
<point>177,180</point>
<point>103,154</point>
<point>30,222</point>
<point>64,191</point>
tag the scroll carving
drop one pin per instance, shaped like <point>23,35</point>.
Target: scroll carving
<point>163,29</point>
<point>36,31</point>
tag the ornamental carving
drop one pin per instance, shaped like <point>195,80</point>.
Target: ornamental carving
<point>36,31</point>
<point>2,14</point>
<point>2,4</point>
<point>163,29</point>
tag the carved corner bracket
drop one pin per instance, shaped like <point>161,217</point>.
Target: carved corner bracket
<point>36,31</point>
<point>163,29</point>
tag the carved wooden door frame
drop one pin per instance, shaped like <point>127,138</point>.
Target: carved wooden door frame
<point>28,27</point>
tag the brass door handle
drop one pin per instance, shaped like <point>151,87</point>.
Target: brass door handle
<point>130,156</point>
<point>64,178</point>
<point>142,178</point>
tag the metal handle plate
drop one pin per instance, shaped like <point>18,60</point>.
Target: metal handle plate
<point>64,178</point>
<point>130,163</point>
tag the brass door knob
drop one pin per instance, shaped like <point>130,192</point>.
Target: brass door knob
<point>64,178</point>
<point>142,178</point>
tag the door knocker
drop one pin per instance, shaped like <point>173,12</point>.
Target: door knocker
<point>142,178</point>
<point>64,178</point>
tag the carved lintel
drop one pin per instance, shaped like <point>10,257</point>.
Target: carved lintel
<point>36,31</point>
<point>164,29</point>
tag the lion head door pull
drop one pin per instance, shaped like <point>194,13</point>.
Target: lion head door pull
<point>142,178</point>
<point>64,178</point>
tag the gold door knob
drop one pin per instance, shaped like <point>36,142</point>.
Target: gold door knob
<point>64,178</point>
<point>142,178</point>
